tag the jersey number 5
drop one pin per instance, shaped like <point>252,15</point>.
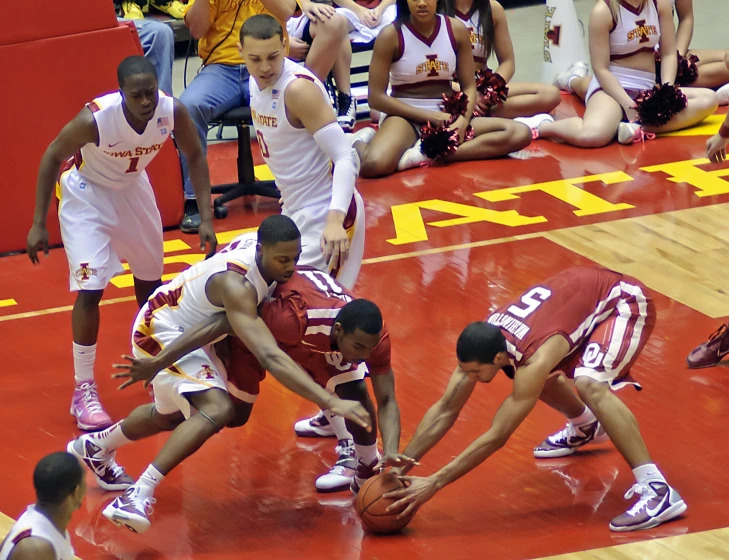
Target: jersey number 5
<point>133,162</point>
<point>531,300</point>
<point>262,144</point>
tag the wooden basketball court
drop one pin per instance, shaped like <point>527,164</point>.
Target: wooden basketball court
<point>444,247</point>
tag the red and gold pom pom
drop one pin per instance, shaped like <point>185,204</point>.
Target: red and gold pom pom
<point>687,70</point>
<point>658,105</point>
<point>491,86</point>
<point>455,104</point>
<point>438,142</point>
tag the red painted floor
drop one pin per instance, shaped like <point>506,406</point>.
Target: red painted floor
<point>249,492</point>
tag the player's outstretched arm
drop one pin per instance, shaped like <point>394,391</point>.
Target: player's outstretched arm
<point>75,135</point>
<point>306,103</point>
<point>189,144</point>
<point>442,415</point>
<point>388,419</point>
<point>239,300</point>
<point>145,369</point>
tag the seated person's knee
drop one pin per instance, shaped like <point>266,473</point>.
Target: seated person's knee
<point>242,413</point>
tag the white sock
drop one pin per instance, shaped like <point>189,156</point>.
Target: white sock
<point>149,480</point>
<point>338,425</point>
<point>366,454</point>
<point>587,417</point>
<point>569,83</point>
<point>83,362</point>
<point>647,472</point>
<point>111,438</point>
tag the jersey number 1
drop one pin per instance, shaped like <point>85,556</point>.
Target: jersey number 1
<point>133,162</point>
<point>531,300</point>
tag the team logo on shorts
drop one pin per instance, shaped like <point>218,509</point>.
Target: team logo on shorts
<point>206,373</point>
<point>84,273</point>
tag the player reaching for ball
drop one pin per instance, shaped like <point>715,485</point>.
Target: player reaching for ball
<point>587,324</point>
<point>337,339</point>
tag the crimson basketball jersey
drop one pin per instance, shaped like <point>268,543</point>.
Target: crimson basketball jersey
<point>301,316</point>
<point>571,303</point>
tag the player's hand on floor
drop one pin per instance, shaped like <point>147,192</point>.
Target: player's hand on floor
<point>352,410</point>
<point>335,244</point>
<point>397,461</point>
<point>715,150</point>
<point>138,369</point>
<point>207,237</point>
<point>410,499</point>
<point>37,239</point>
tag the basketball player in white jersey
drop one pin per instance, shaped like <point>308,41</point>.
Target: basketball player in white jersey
<point>191,397</point>
<point>107,207</point>
<point>41,532</point>
<point>300,140</point>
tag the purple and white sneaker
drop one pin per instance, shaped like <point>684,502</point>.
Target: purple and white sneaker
<point>316,426</point>
<point>86,408</point>
<point>131,510</point>
<point>658,503</point>
<point>570,439</point>
<point>109,475</point>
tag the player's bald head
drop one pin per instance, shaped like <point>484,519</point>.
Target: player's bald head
<point>134,66</point>
<point>479,343</point>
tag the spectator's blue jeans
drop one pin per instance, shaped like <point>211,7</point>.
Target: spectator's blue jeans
<point>158,44</point>
<point>216,89</point>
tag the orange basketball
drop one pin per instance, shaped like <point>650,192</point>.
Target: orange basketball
<point>371,506</point>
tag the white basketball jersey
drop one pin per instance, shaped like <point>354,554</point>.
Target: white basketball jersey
<point>478,46</point>
<point>302,170</point>
<point>34,524</point>
<point>183,302</point>
<point>634,31</point>
<point>424,59</point>
<point>122,153</point>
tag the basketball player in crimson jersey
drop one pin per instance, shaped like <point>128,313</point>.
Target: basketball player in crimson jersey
<point>314,165</point>
<point>335,338</point>
<point>107,207</point>
<point>588,324</point>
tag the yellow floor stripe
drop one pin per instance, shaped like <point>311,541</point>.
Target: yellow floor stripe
<point>707,127</point>
<point>8,302</point>
<point>263,173</point>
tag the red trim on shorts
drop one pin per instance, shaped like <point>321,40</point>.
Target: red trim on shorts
<point>151,347</point>
<point>450,34</point>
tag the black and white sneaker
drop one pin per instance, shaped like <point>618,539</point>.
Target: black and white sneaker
<point>346,111</point>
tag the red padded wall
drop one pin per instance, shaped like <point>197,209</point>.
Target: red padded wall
<point>30,20</point>
<point>47,82</point>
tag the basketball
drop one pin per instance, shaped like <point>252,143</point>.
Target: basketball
<point>371,506</point>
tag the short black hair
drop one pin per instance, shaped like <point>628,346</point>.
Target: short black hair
<point>360,314</point>
<point>56,477</point>
<point>261,27</point>
<point>277,228</point>
<point>480,342</point>
<point>132,66</point>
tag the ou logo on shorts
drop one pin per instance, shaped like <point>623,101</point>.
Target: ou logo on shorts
<point>592,357</point>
